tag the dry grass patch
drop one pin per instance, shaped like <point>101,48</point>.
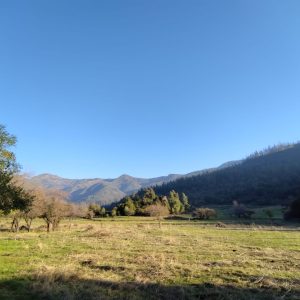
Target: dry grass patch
<point>139,260</point>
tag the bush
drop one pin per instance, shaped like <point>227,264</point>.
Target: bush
<point>204,213</point>
<point>156,210</point>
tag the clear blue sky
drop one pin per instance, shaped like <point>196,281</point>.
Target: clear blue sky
<point>147,88</point>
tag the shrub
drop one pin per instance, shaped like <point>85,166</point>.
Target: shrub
<point>204,213</point>
<point>156,210</point>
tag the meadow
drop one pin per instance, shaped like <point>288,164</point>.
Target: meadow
<point>138,258</point>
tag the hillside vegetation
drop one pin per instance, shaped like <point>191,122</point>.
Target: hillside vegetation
<point>103,191</point>
<point>266,178</point>
<point>107,191</point>
<point>147,203</point>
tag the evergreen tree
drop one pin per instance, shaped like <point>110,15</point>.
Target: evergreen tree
<point>148,197</point>
<point>114,212</point>
<point>176,206</point>
<point>185,202</point>
<point>127,207</point>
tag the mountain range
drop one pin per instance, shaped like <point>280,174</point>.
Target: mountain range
<point>107,191</point>
<point>268,177</point>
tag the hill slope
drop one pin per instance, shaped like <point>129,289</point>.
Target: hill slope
<point>268,178</point>
<point>107,191</point>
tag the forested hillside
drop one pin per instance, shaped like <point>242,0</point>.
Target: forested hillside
<point>268,177</point>
<point>103,191</point>
<point>107,191</point>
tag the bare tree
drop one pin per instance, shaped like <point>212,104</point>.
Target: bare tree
<point>157,210</point>
<point>53,207</point>
<point>16,215</point>
<point>204,213</point>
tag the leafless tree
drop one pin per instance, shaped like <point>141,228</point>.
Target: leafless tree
<point>157,210</point>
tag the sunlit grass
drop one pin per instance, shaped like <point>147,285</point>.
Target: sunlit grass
<point>133,258</point>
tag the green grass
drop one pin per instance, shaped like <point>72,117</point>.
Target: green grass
<point>133,258</point>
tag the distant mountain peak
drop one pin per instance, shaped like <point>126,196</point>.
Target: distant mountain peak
<point>47,175</point>
<point>125,176</point>
<point>104,191</point>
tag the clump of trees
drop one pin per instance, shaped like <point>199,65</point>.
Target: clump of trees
<point>50,205</point>
<point>95,210</point>
<point>204,213</point>
<point>20,200</point>
<point>147,202</point>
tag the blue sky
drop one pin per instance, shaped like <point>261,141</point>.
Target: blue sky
<point>147,88</point>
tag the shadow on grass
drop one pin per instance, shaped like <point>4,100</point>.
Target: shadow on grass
<point>58,286</point>
<point>279,224</point>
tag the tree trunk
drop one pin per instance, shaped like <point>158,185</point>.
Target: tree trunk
<point>28,222</point>
<point>48,226</point>
<point>15,225</point>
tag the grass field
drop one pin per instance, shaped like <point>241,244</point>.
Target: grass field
<point>133,258</point>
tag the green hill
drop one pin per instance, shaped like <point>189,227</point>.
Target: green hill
<point>269,177</point>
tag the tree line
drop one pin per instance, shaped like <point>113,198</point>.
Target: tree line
<point>268,179</point>
<point>148,203</point>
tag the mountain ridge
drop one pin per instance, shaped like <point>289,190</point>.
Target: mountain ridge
<point>106,191</point>
<point>267,177</point>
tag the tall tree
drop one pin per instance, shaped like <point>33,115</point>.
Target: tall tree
<point>7,157</point>
<point>12,196</point>
<point>185,202</point>
<point>175,204</point>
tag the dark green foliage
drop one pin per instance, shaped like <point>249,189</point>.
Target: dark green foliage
<point>267,178</point>
<point>147,201</point>
<point>127,207</point>
<point>185,202</point>
<point>95,210</point>
<point>176,206</point>
<point>149,196</point>
<point>12,196</point>
<point>293,211</point>
<point>7,157</point>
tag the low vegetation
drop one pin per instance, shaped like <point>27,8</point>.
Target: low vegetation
<point>204,213</point>
<point>148,246</point>
<point>134,258</point>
